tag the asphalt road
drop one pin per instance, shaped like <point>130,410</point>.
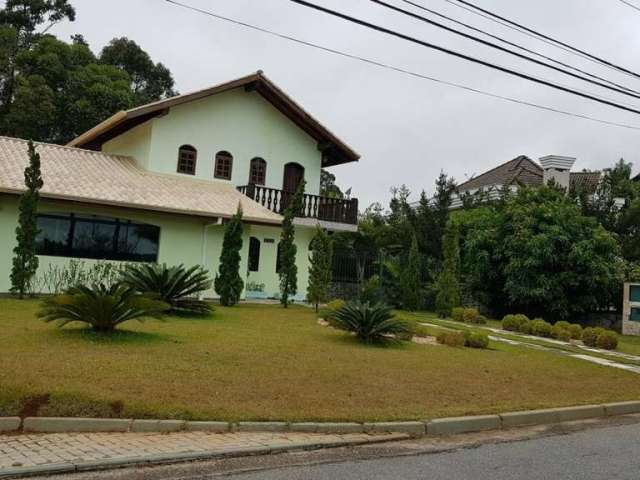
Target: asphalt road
<point>606,453</point>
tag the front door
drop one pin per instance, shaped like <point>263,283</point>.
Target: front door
<point>293,176</point>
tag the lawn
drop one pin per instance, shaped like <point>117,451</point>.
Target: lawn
<point>257,362</point>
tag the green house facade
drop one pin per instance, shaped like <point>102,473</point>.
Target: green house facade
<point>157,184</point>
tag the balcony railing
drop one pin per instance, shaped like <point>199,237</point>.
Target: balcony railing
<point>313,206</point>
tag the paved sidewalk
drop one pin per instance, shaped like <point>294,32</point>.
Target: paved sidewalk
<point>63,452</point>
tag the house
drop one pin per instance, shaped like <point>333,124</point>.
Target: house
<point>157,183</point>
<point>522,171</point>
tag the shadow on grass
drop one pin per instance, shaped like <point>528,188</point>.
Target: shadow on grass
<point>117,337</point>
<point>183,315</point>
<point>346,339</point>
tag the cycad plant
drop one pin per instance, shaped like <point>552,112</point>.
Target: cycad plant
<point>102,307</point>
<point>370,323</point>
<point>177,286</point>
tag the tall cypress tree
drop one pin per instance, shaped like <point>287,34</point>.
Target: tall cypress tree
<point>228,282</point>
<point>25,261</point>
<point>320,262</point>
<point>447,285</point>
<point>287,250</point>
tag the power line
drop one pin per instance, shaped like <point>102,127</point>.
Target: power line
<point>513,44</point>
<point>454,53</point>
<point>546,37</point>
<point>398,69</point>
<point>629,4</point>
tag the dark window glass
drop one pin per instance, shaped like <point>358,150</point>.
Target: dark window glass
<point>634,293</point>
<point>187,157</point>
<point>254,254</point>
<point>224,165</point>
<point>97,237</point>
<point>635,315</point>
<point>258,172</point>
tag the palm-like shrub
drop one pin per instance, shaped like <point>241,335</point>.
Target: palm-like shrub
<point>370,323</point>
<point>102,307</point>
<point>177,286</point>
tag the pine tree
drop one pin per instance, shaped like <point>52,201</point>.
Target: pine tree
<point>448,286</point>
<point>25,261</point>
<point>228,283</point>
<point>320,262</point>
<point>410,284</point>
<point>287,251</point>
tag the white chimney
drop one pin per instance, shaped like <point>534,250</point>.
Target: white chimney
<point>557,168</point>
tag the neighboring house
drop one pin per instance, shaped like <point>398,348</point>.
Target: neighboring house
<point>522,171</point>
<point>156,183</point>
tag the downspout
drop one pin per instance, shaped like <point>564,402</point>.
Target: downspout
<point>203,260</point>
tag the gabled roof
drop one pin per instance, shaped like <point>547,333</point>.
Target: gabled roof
<point>524,171</point>
<point>335,150</point>
<point>85,176</point>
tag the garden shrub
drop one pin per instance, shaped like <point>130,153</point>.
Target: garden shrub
<point>371,323</point>
<point>525,327</point>
<point>470,315</point>
<point>332,307</point>
<point>476,340</point>
<point>590,335</point>
<point>576,331</point>
<point>540,328</point>
<point>422,331</point>
<point>372,290</point>
<point>607,340</point>
<point>481,320</point>
<point>457,314</point>
<point>560,333</point>
<point>511,323</point>
<point>562,324</point>
<point>451,339</point>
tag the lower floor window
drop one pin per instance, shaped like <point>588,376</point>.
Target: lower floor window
<point>76,236</point>
<point>254,254</point>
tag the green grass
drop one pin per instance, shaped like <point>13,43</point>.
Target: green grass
<point>257,362</point>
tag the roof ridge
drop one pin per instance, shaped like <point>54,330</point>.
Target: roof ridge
<point>519,157</point>
<point>66,147</point>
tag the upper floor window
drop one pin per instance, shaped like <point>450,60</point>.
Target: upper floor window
<point>224,165</point>
<point>77,236</point>
<point>187,157</point>
<point>254,254</point>
<point>258,172</point>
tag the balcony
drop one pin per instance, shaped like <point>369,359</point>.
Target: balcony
<point>314,206</point>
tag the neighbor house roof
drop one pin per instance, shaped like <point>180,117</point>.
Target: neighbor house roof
<point>335,150</point>
<point>97,178</point>
<point>524,171</point>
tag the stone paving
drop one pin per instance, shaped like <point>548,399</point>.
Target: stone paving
<point>67,452</point>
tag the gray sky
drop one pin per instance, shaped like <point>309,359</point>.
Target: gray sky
<point>406,129</point>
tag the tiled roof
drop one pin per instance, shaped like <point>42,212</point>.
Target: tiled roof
<point>94,177</point>
<point>524,171</point>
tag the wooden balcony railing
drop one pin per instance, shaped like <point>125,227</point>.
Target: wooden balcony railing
<point>313,206</point>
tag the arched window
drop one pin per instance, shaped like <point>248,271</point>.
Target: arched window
<point>187,157</point>
<point>258,171</point>
<point>254,254</point>
<point>224,165</point>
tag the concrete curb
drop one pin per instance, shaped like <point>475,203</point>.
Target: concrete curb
<point>440,426</point>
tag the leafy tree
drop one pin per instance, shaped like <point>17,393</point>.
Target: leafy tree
<point>25,261</point>
<point>539,255</point>
<point>410,285</point>
<point>448,285</point>
<point>328,187</point>
<point>320,262</point>
<point>287,250</point>
<point>149,81</point>
<point>228,282</point>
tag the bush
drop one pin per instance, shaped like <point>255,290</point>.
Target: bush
<point>513,322</point>
<point>372,291</point>
<point>540,328</point>
<point>562,324</point>
<point>590,335</point>
<point>470,315</point>
<point>102,307</point>
<point>525,327</point>
<point>177,286</point>
<point>370,323</point>
<point>476,340</point>
<point>451,339</point>
<point>457,314</point>
<point>481,320</point>
<point>560,333</point>
<point>575,331</point>
<point>607,340</point>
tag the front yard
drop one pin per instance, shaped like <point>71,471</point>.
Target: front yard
<point>257,362</point>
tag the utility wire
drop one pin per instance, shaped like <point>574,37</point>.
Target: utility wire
<point>454,53</point>
<point>513,44</point>
<point>546,37</point>
<point>629,4</point>
<point>398,69</point>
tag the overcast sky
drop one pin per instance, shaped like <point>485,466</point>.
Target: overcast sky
<point>406,129</point>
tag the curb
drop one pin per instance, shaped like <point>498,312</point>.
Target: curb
<point>440,426</point>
